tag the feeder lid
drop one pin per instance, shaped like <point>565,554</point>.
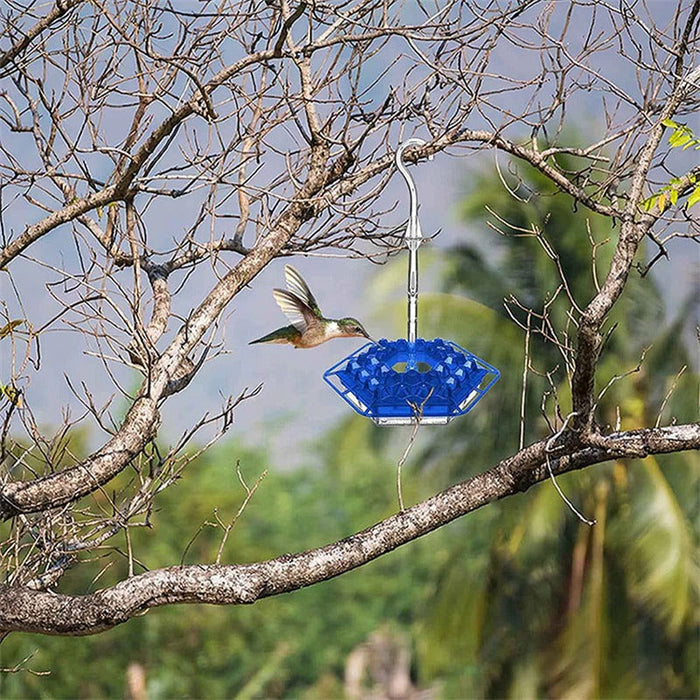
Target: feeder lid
<point>391,381</point>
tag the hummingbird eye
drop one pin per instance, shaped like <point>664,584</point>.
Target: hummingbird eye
<point>353,326</point>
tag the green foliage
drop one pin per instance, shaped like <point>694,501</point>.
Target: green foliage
<point>682,137</point>
<point>659,544</point>
<point>280,647</point>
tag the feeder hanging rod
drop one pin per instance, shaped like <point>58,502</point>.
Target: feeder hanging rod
<point>413,240</point>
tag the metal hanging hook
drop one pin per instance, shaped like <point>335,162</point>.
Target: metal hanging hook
<point>413,231</point>
<point>413,239</point>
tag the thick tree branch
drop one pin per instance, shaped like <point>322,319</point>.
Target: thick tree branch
<point>633,229</point>
<point>61,8</point>
<point>50,613</point>
<point>53,490</point>
<point>71,211</point>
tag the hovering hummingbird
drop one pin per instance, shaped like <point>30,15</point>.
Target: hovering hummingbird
<point>309,328</point>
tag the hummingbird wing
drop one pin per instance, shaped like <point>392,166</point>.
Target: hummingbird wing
<point>299,314</point>
<point>298,287</point>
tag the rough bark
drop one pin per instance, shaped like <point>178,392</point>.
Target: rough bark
<point>52,613</point>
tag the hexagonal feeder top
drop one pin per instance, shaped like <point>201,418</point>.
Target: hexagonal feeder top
<point>397,382</point>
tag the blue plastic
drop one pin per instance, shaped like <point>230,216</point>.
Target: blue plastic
<point>389,380</point>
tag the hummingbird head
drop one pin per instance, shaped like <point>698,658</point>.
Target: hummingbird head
<point>352,327</point>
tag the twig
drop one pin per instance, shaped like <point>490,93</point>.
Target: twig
<point>249,494</point>
<point>418,413</point>
<point>617,377</point>
<point>524,384</point>
<point>548,449</point>
<point>668,396</point>
<point>206,523</point>
<point>17,668</point>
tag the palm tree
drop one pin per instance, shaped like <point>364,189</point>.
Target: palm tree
<point>531,600</point>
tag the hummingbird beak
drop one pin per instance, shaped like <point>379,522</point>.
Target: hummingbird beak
<point>370,338</point>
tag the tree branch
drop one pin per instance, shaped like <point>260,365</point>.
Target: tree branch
<point>61,8</point>
<point>50,613</point>
<point>632,230</point>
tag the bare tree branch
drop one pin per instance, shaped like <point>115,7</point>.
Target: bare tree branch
<point>36,611</point>
<point>61,8</point>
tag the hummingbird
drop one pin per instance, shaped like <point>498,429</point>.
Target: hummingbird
<point>308,326</point>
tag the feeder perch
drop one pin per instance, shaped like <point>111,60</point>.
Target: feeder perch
<point>394,382</point>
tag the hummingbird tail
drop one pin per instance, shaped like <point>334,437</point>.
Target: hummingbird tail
<point>281,335</point>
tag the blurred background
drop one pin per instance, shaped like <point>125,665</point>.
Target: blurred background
<point>520,599</point>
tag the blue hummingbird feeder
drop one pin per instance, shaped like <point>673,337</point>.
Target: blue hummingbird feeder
<point>399,382</point>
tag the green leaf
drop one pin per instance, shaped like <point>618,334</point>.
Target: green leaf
<point>669,123</point>
<point>9,327</point>
<point>694,197</point>
<point>673,196</point>
<point>678,138</point>
<point>661,555</point>
<point>13,395</point>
